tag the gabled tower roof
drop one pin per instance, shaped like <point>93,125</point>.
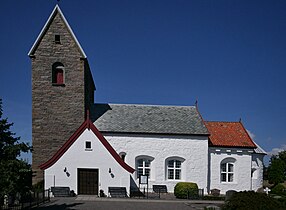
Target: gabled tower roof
<point>44,29</point>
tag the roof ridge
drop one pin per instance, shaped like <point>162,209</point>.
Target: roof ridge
<point>156,105</point>
<point>207,121</point>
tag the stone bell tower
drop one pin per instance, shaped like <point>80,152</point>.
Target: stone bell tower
<point>62,88</point>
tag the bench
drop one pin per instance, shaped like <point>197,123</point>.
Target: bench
<point>61,191</point>
<point>160,189</point>
<point>117,192</point>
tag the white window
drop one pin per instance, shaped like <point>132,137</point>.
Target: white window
<point>143,166</point>
<point>174,169</point>
<point>227,170</point>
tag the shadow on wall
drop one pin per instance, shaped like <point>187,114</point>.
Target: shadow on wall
<point>134,189</point>
<point>133,185</point>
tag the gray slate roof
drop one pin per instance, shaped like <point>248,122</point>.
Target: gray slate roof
<point>152,119</point>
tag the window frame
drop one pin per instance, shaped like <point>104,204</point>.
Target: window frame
<point>144,168</point>
<point>174,168</point>
<point>227,170</point>
<point>58,67</point>
<point>88,148</point>
<point>57,38</point>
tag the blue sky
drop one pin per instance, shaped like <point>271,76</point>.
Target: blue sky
<point>227,54</point>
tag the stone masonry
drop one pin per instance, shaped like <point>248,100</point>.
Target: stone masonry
<point>57,110</point>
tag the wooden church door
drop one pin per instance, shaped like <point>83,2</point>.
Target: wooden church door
<point>87,181</point>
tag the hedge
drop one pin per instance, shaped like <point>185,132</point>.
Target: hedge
<point>186,190</point>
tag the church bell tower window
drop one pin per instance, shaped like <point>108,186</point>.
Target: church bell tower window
<point>57,39</point>
<point>58,74</point>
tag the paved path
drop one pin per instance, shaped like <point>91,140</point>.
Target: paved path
<point>87,202</point>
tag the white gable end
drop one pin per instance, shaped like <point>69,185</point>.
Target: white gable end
<point>65,171</point>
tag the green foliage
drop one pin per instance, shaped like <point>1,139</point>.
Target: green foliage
<point>185,189</point>
<point>277,168</point>
<point>15,174</point>
<point>213,198</point>
<point>252,201</point>
<point>279,189</point>
<point>39,187</point>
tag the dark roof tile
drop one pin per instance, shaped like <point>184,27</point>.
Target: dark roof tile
<point>153,119</point>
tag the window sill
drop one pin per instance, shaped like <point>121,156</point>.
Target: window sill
<point>61,85</point>
<point>174,180</point>
<point>228,183</point>
<point>88,149</point>
<point>149,179</point>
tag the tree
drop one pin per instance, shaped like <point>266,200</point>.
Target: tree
<point>277,168</point>
<point>15,174</point>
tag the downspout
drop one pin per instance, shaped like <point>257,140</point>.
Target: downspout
<point>251,172</point>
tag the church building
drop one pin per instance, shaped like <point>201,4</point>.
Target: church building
<point>89,147</point>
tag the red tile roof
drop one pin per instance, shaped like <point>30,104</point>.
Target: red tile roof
<point>229,134</point>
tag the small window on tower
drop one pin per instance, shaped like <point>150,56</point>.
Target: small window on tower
<point>58,74</point>
<point>57,39</point>
<point>88,145</point>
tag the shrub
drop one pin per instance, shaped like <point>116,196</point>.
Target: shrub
<point>186,190</point>
<point>213,198</point>
<point>279,189</point>
<point>38,187</point>
<point>252,201</point>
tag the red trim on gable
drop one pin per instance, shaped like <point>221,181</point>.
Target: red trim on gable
<point>86,125</point>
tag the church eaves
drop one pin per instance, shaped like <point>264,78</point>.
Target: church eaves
<point>44,29</point>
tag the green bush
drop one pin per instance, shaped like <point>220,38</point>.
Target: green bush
<point>186,190</point>
<point>213,198</point>
<point>279,189</point>
<point>252,201</point>
<point>39,187</point>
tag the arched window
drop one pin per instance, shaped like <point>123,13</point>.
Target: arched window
<point>174,168</point>
<point>227,170</point>
<point>58,74</point>
<point>122,155</point>
<point>143,165</point>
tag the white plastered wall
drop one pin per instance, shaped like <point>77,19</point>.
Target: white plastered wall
<point>78,157</point>
<point>257,171</point>
<point>193,149</point>
<point>242,169</point>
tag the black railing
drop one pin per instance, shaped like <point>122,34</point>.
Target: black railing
<point>25,201</point>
